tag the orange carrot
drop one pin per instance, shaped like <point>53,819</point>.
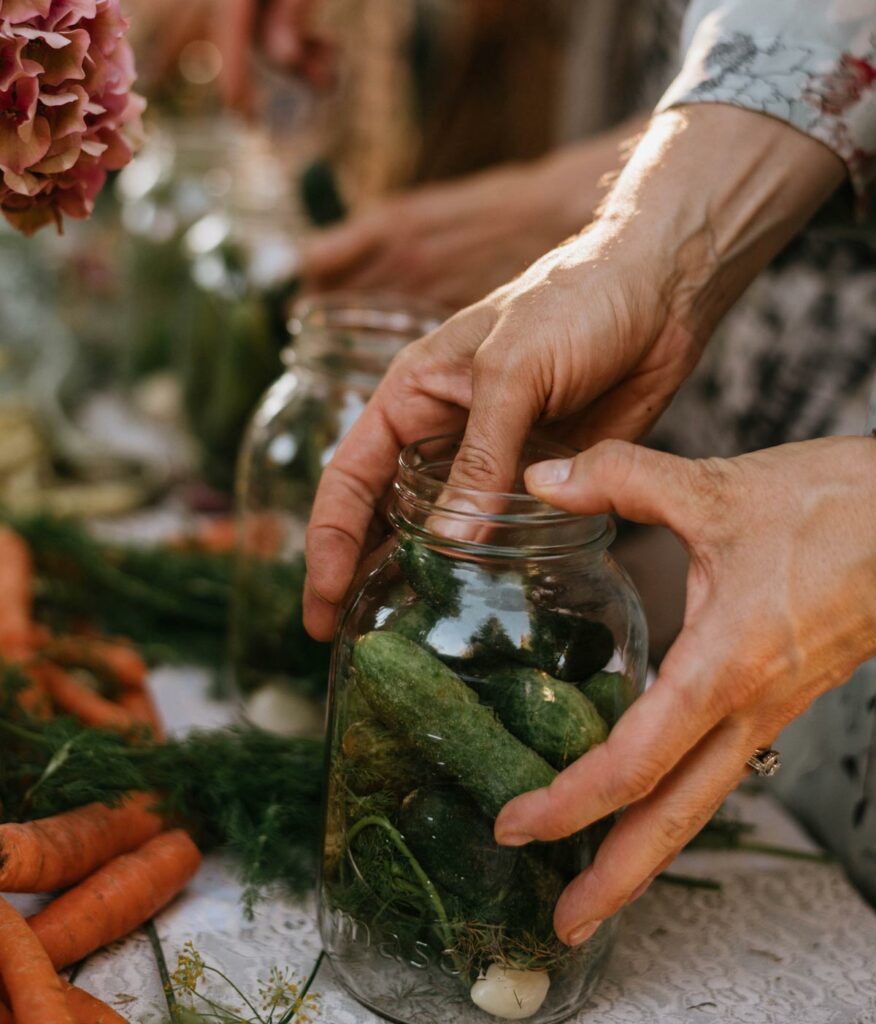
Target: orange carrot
<point>218,535</point>
<point>140,705</point>
<point>112,658</point>
<point>5,1015</point>
<point>34,989</point>
<point>88,1009</point>
<point>33,698</point>
<point>16,586</point>
<point>51,853</point>
<point>117,898</point>
<point>17,632</point>
<point>77,700</point>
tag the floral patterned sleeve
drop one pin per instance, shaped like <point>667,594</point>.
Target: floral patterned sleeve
<point>811,63</point>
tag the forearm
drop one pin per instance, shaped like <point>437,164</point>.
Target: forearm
<point>576,178</point>
<point>712,193</point>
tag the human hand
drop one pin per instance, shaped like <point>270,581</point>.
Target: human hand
<point>781,606</point>
<point>454,242</point>
<point>281,29</point>
<point>593,340</point>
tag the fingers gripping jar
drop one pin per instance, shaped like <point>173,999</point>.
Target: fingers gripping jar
<point>342,346</point>
<point>486,651</point>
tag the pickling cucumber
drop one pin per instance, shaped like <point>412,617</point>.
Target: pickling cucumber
<point>413,621</point>
<point>431,709</point>
<point>454,842</point>
<point>554,718</point>
<point>568,646</point>
<point>611,693</point>
<point>431,576</point>
<point>479,880</point>
<point>376,760</point>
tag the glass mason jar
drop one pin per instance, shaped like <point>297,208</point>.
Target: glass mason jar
<point>342,346</point>
<point>495,642</point>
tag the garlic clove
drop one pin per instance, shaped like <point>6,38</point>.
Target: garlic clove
<point>509,994</point>
<point>276,708</point>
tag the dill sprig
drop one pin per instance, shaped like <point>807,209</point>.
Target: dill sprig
<point>724,832</point>
<point>173,603</point>
<point>251,793</point>
<point>280,1000</point>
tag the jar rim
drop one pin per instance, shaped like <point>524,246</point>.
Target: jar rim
<point>422,492</point>
<point>386,311</point>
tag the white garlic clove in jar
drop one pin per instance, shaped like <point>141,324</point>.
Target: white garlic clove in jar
<point>509,994</point>
<point>276,708</point>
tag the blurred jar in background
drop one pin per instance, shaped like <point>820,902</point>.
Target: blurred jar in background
<point>212,213</point>
<point>242,266</point>
<point>213,220</point>
<point>181,174</point>
<point>342,346</point>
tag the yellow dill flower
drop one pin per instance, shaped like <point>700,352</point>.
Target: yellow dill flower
<point>278,990</point>
<point>189,968</point>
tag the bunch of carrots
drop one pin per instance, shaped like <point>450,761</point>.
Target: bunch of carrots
<point>50,663</point>
<point>114,867</point>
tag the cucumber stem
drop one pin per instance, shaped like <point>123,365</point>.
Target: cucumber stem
<point>377,821</point>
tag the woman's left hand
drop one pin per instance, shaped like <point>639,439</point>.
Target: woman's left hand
<point>781,606</point>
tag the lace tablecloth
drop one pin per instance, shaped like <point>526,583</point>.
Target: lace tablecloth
<point>782,942</point>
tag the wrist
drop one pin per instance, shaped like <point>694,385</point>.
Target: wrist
<point>862,461</point>
<point>578,177</point>
<point>712,193</point>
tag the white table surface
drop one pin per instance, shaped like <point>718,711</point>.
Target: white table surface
<point>783,942</point>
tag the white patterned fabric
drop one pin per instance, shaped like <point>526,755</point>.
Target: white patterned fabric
<point>811,63</point>
<point>783,942</point>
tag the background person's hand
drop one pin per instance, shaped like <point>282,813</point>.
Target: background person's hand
<point>454,242</point>
<point>593,340</point>
<point>781,607</point>
<point>282,31</point>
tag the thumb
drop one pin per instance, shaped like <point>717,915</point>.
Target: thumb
<point>338,249</point>
<point>639,484</point>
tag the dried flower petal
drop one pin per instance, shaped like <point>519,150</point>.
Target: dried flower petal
<point>67,113</point>
<point>16,11</point>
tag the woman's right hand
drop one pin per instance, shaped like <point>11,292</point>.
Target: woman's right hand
<point>494,370</point>
<point>594,339</point>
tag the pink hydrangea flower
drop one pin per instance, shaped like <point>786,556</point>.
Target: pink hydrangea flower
<point>67,113</point>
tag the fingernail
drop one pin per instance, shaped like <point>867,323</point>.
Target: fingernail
<point>513,838</point>
<point>549,474</point>
<point>583,933</point>
<point>465,528</point>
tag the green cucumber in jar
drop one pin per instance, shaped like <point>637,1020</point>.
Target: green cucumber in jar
<point>611,693</point>
<point>376,760</point>
<point>479,881</point>
<point>454,842</point>
<point>568,646</point>
<point>431,576</point>
<point>414,622</point>
<point>431,709</point>
<point>554,718</point>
